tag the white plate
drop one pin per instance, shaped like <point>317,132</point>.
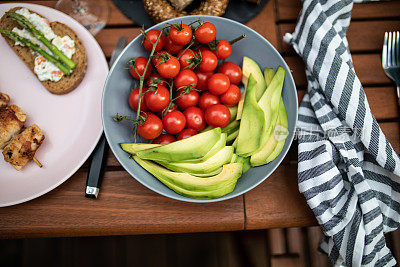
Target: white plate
<point>71,122</point>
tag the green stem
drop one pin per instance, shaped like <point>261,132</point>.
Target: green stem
<point>25,23</point>
<point>237,39</point>
<point>36,48</point>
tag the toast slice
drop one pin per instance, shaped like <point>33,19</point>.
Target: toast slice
<point>67,83</point>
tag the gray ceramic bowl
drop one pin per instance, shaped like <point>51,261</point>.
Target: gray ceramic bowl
<point>117,89</point>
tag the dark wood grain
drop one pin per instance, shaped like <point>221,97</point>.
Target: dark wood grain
<point>289,10</point>
<point>127,207</point>
<point>124,207</point>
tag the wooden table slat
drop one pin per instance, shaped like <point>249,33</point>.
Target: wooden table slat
<point>289,10</point>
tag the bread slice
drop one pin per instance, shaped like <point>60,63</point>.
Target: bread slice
<point>67,83</point>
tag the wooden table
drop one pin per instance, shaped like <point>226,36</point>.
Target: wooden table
<point>126,207</point>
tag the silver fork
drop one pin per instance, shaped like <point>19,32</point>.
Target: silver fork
<point>391,58</point>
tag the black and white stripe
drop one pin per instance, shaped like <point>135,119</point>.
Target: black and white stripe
<point>348,171</point>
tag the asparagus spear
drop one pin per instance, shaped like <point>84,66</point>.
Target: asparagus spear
<point>40,36</point>
<point>36,48</point>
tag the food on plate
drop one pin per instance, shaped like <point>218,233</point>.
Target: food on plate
<point>198,138</point>
<point>19,147</point>
<point>23,147</point>
<point>51,50</point>
<point>160,10</point>
<point>12,119</point>
<point>251,67</point>
<point>4,99</point>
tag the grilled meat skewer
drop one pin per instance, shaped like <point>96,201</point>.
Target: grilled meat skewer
<point>12,119</point>
<point>4,99</point>
<point>23,147</point>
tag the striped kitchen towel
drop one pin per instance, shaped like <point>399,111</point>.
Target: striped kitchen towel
<point>348,171</point>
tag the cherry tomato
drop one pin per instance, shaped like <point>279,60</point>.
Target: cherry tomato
<point>174,122</point>
<point>157,100</point>
<point>152,35</point>
<point>233,71</point>
<point>171,47</point>
<point>164,139</point>
<point>188,59</point>
<point>217,115</point>
<point>207,99</point>
<point>186,100</point>
<point>202,79</point>
<point>133,100</point>
<point>167,66</point>
<point>139,64</point>
<point>170,109</point>
<point>180,34</point>
<point>186,133</point>
<point>195,118</point>
<point>185,78</point>
<point>232,96</point>
<point>218,84</point>
<point>223,49</point>
<point>205,33</point>
<point>151,128</point>
<point>155,79</point>
<point>209,61</point>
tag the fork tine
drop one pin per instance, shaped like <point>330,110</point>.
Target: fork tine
<point>394,49</point>
<point>389,52</point>
<point>398,47</point>
<point>384,51</point>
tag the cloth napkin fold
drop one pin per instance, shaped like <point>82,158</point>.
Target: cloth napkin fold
<point>348,171</point>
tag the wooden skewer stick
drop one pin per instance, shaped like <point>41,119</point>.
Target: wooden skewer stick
<point>37,162</point>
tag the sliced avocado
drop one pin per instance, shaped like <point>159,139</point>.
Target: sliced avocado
<point>209,174</point>
<point>230,173</point>
<point>222,157</point>
<point>233,110</point>
<point>207,128</point>
<point>252,122</point>
<point>194,147</point>
<point>268,75</point>
<point>221,143</point>
<point>226,189</point>
<point>133,148</point>
<point>276,141</point>
<point>234,158</point>
<point>232,137</point>
<point>246,163</point>
<point>250,67</point>
<point>231,127</point>
<point>283,122</point>
<point>269,103</point>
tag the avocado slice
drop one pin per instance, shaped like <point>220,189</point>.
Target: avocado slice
<point>252,122</point>
<point>276,141</point>
<point>229,174</point>
<point>268,75</point>
<point>232,136</point>
<point>194,147</point>
<point>233,110</point>
<point>250,67</point>
<point>246,163</point>
<point>231,127</point>
<point>133,148</point>
<point>269,103</point>
<point>209,174</point>
<point>222,157</point>
<point>221,143</point>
